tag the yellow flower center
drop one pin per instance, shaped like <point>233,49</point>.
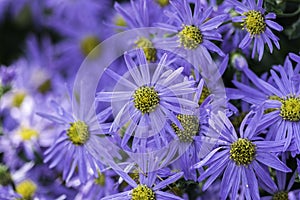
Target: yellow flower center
<point>18,99</point>
<point>190,126</point>
<point>26,189</point>
<point>254,22</point>
<point>88,44</point>
<point>283,195</point>
<point>148,48</point>
<point>28,133</point>
<point>78,133</point>
<point>190,37</point>
<point>163,3</point>
<point>290,109</point>
<point>142,192</point>
<point>242,151</point>
<point>100,180</point>
<point>146,99</point>
<point>205,93</point>
<point>45,87</point>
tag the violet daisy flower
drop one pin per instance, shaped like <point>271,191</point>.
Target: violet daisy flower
<point>144,98</point>
<point>147,188</point>
<point>193,30</point>
<point>73,148</point>
<point>242,158</point>
<point>283,189</point>
<point>258,25</point>
<point>281,99</point>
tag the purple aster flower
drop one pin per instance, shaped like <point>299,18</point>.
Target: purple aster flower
<point>191,31</point>
<point>96,188</point>
<point>145,98</point>
<point>258,25</point>
<point>283,189</point>
<point>148,187</point>
<point>242,158</point>
<point>72,149</point>
<point>142,13</point>
<point>279,96</point>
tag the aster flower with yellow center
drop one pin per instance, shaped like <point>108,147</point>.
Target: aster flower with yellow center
<point>240,159</point>
<point>148,96</point>
<point>72,150</point>
<point>148,188</point>
<point>192,31</point>
<point>280,97</point>
<point>258,24</point>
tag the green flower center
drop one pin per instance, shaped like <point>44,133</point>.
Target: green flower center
<point>146,99</point>
<point>148,48</point>
<point>190,126</point>
<point>88,44</point>
<point>18,99</point>
<point>254,22</point>
<point>26,189</point>
<point>283,195</point>
<point>190,37</point>
<point>100,180</point>
<point>5,176</point>
<point>205,93</point>
<point>163,3</point>
<point>28,133</point>
<point>142,192</point>
<point>78,133</point>
<point>45,87</point>
<point>290,109</point>
<point>242,151</point>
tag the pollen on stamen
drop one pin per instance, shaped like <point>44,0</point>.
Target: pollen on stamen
<point>290,109</point>
<point>282,195</point>
<point>78,133</point>
<point>190,37</point>
<point>148,48</point>
<point>142,192</point>
<point>190,124</point>
<point>242,151</point>
<point>254,22</point>
<point>26,189</point>
<point>146,99</point>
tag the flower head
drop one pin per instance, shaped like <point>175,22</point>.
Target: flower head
<point>240,157</point>
<point>257,24</point>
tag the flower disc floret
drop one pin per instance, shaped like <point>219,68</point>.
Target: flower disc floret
<point>290,109</point>
<point>26,189</point>
<point>142,192</point>
<point>146,99</point>
<point>78,133</point>
<point>190,37</point>
<point>148,48</point>
<point>190,126</point>
<point>254,22</point>
<point>88,44</point>
<point>282,195</point>
<point>242,151</point>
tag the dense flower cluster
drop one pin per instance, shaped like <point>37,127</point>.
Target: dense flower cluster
<point>138,100</point>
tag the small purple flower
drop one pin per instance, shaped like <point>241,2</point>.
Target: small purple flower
<point>280,96</point>
<point>73,148</point>
<point>257,24</point>
<point>145,98</point>
<point>191,31</point>
<point>242,158</point>
<point>147,188</point>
